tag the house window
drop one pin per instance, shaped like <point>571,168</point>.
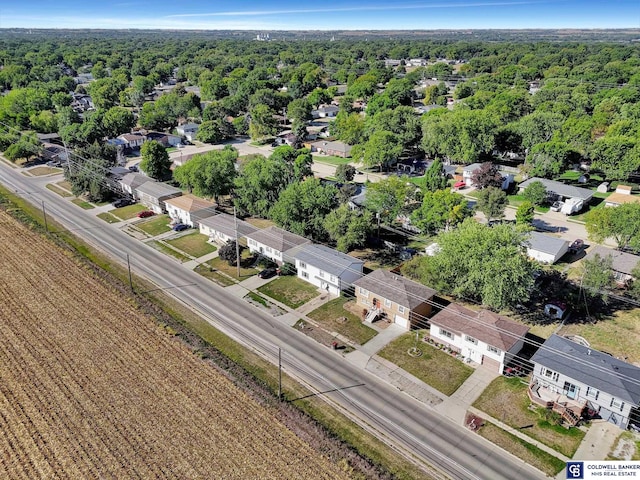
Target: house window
<point>400,309</point>
<point>387,303</point>
<point>321,274</point>
<point>363,292</point>
<point>615,403</point>
<point>471,339</point>
<point>446,333</point>
<point>303,265</point>
<point>305,275</point>
<point>269,250</point>
<point>332,278</point>
<point>493,349</point>
<point>551,374</point>
<point>593,393</point>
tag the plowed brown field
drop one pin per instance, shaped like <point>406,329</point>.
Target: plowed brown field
<point>91,388</point>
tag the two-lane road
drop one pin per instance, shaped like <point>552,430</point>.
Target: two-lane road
<point>396,418</point>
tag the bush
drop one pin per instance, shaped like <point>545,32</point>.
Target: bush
<point>288,269</point>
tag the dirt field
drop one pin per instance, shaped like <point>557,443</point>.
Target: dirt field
<point>92,388</point>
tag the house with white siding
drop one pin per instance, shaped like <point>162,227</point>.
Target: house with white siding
<point>222,228</point>
<point>153,195</point>
<point>189,209</point>
<point>623,264</point>
<point>575,380</point>
<point>274,243</point>
<point>483,337</point>
<point>545,248</point>
<point>131,181</point>
<point>327,268</point>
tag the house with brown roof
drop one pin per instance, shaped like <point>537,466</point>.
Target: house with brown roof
<point>483,337</point>
<point>274,242</point>
<point>338,149</point>
<point>189,209</point>
<point>400,300</point>
<point>621,196</point>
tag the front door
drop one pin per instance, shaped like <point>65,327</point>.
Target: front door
<point>570,390</point>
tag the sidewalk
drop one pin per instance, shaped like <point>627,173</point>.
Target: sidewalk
<point>455,407</point>
<point>598,441</point>
<point>377,343</point>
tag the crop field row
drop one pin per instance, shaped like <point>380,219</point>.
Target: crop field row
<point>90,387</point>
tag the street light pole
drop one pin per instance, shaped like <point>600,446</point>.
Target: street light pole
<point>235,227</point>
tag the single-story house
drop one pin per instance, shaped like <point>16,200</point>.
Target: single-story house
<point>560,191</point>
<point>188,130</point>
<point>545,248</point>
<point>574,379</point>
<point>339,149</point>
<point>274,243</point>
<point>189,209</point>
<point>483,337</point>
<point>448,171</point>
<point>153,195</point>
<point>467,174</point>
<point>132,140</point>
<point>401,300</point>
<point>223,227</point>
<point>356,201</point>
<point>621,196</point>
<point>327,268</point>
<point>166,139</point>
<point>131,181</point>
<point>391,62</point>
<point>622,263</point>
<point>325,111</point>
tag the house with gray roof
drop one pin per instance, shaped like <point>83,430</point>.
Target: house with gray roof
<point>338,149</point>
<point>153,195</point>
<point>223,227</point>
<point>622,263</point>
<point>274,243</point>
<point>327,268</point>
<point>558,190</point>
<point>546,248</point>
<point>130,181</point>
<point>575,380</point>
<point>400,300</point>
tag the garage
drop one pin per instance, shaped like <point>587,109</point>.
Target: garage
<point>491,364</point>
<point>403,322</point>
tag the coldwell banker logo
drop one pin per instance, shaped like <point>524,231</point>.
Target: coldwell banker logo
<point>575,470</point>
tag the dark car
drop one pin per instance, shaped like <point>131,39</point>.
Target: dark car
<point>122,202</point>
<point>133,168</point>
<point>178,227</point>
<point>576,246</point>
<point>267,273</point>
<point>146,213</point>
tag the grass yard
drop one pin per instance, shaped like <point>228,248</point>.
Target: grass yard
<point>207,271</point>
<point>167,250</point>
<point>434,367</point>
<point>194,244</point>
<point>42,171</point>
<point>246,271</point>
<point>83,204</point>
<point>331,159</point>
<point>333,316</point>
<point>517,200</point>
<point>107,217</point>
<point>618,334</point>
<point>58,190</point>
<point>506,400</point>
<point>130,211</point>
<point>290,290</point>
<point>155,226</point>
<point>523,450</point>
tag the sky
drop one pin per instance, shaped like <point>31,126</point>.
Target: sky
<point>320,15</point>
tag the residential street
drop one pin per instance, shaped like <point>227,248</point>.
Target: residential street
<point>393,416</point>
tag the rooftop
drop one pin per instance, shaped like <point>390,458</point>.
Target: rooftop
<point>620,261</point>
<point>190,203</point>
<point>327,259</point>
<point>396,288</point>
<point>567,191</point>
<point>277,238</point>
<point>620,198</point>
<point>545,243</point>
<point>157,189</point>
<point>227,225</point>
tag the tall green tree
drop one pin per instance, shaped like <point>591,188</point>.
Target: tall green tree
<point>387,197</point>
<point>616,157</point>
<point>441,209</point>
<point>434,178</point>
<point>348,228</point>
<point>155,160</point>
<point>620,223</point>
<point>492,202</point>
<point>209,174</point>
<point>258,185</point>
<point>525,213</point>
<point>381,149</point>
<point>118,120</point>
<point>345,172</point>
<point>535,193</point>
<point>597,277</point>
<point>261,123</point>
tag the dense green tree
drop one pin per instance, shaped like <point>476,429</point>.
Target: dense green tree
<point>318,97</point>
<point>302,206</point>
<point>538,127</point>
<point>208,174</point>
<point>214,131</point>
<point>381,149</point>
<point>87,171</point>
<point>525,213</point>
<point>434,178</point>
<point>441,209</point>
<point>261,123</point>
<point>616,156</point>
<point>24,148</point>
<point>345,172</point>
<point>44,122</point>
<point>535,193</point>
<point>348,228</point>
<point>597,278</point>
<point>620,223</point>
<point>155,160</point>
<point>258,185</point>
<point>550,159</point>
<point>299,110</point>
<point>117,120</point>
<point>475,262</point>
<point>387,197</point>
<point>492,202</point>
<point>348,127</point>
<point>401,121</point>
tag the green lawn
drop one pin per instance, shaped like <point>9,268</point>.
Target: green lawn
<point>209,272</point>
<point>523,450</point>
<point>290,290</point>
<point>506,400</point>
<point>58,190</point>
<point>434,367</point>
<point>246,271</point>
<point>82,204</point>
<point>516,201</point>
<point>155,225</point>
<point>331,160</point>
<point>333,316</point>
<point>42,171</point>
<point>130,211</point>
<point>107,217</point>
<point>167,250</point>
<point>194,244</point>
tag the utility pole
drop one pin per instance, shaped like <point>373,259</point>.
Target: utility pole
<point>44,214</point>
<point>279,373</point>
<point>129,268</point>
<point>235,228</point>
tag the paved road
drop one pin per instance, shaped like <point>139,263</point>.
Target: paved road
<point>396,418</point>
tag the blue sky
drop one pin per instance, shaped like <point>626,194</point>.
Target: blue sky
<point>321,15</point>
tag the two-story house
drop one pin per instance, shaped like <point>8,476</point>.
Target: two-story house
<point>153,195</point>
<point>222,228</point>
<point>483,337</point>
<point>327,268</point>
<point>397,298</point>
<point>189,209</point>
<point>274,243</point>
<point>575,380</point>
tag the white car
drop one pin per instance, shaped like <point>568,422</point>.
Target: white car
<point>557,206</point>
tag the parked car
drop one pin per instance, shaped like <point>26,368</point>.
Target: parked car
<point>54,163</point>
<point>178,227</point>
<point>122,202</point>
<point>267,273</point>
<point>557,206</point>
<point>576,246</point>
<point>146,213</point>
<point>133,168</point>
